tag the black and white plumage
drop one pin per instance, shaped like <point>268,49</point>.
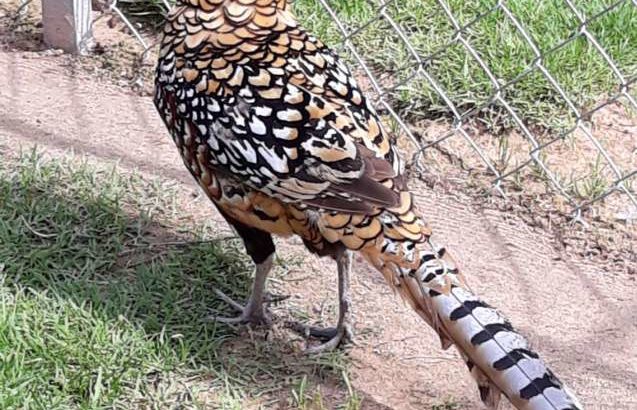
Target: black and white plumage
<point>273,126</point>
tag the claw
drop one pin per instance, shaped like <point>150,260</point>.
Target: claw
<point>343,334</point>
<point>343,331</point>
<point>229,300</point>
<point>252,313</point>
<point>333,337</point>
<point>323,333</point>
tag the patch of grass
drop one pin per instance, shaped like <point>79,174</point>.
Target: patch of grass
<point>446,405</point>
<point>57,354</point>
<point>594,184</point>
<point>305,396</point>
<point>104,303</point>
<point>577,66</point>
<point>579,69</point>
<point>145,11</point>
<point>354,401</point>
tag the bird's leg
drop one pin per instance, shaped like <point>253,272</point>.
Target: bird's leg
<point>254,311</point>
<point>260,247</point>
<point>343,330</point>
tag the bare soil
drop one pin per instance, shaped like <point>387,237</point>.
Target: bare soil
<point>575,299</point>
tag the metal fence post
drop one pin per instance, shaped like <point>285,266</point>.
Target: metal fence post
<point>67,24</point>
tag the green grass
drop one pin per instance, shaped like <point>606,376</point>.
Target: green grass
<point>93,315</point>
<point>447,405</point>
<point>577,67</point>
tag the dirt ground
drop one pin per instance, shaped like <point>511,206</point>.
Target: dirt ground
<point>579,314</point>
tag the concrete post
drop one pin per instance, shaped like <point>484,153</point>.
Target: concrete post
<point>67,24</point>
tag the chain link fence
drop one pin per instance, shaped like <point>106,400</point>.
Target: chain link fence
<point>535,153</point>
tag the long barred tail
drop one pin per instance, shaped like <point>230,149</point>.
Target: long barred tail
<point>499,358</point>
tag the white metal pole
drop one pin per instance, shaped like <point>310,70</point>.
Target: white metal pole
<point>67,24</point>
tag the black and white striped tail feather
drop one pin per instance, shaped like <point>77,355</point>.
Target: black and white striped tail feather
<point>489,343</point>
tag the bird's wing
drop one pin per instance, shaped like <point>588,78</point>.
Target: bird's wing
<point>293,125</point>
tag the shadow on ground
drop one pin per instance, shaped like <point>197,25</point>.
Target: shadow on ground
<point>113,246</point>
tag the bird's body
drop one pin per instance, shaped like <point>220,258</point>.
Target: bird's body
<point>273,127</point>
<point>276,130</point>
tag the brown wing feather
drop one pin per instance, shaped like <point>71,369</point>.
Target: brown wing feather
<point>281,114</point>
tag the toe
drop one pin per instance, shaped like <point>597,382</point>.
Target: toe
<point>229,300</point>
<point>258,318</point>
<point>229,320</point>
<point>325,334</point>
<point>328,346</point>
<point>341,335</point>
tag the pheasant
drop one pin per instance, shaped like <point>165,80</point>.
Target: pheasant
<point>274,128</point>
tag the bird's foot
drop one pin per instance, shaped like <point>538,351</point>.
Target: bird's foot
<point>254,312</point>
<point>333,337</point>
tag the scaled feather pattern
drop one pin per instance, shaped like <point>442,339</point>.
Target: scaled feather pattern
<point>273,126</point>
